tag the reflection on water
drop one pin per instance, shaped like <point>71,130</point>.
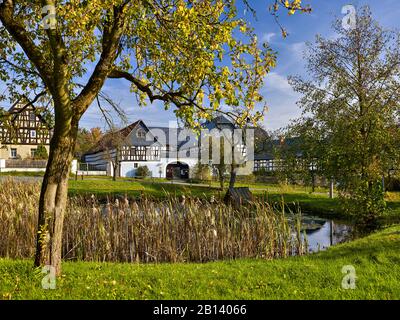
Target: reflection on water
<point>322,233</point>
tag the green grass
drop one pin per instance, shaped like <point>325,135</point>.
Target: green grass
<point>376,260</point>
<point>22,174</point>
<point>135,188</point>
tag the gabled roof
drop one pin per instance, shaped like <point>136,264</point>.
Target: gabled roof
<point>108,139</point>
<point>219,122</point>
<point>21,105</point>
<point>269,149</point>
<point>127,130</point>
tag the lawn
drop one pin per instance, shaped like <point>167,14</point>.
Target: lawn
<point>22,174</point>
<point>376,260</point>
<point>135,188</point>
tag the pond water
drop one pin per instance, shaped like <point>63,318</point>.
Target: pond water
<point>322,233</point>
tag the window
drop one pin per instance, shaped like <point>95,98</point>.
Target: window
<point>33,133</point>
<point>141,134</point>
<point>268,165</point>
<point>136,165</point>
<point>32,116</point>
<point>155,153</point>
<point>33,153</point>
<point>13,153</point>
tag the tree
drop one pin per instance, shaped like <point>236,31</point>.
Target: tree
<point>86,140</point>
<point>41,153</point>
<point>351,107</point>
<point>111,145</point>
<point>221,167</point>
<point>174,51</point>
<point>143,172</point>
<point>202,172</point>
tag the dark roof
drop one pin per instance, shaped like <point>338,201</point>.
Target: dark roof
<point>107,140</point>
<point>177,132</point>
<point>219,122</point>
<point>127,130</point>
<point>268,150</point>
<point>263,155</point>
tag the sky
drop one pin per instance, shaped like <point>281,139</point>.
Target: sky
<point>280,97</point>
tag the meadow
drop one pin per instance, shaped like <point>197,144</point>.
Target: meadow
<point>133,239</point>
<point>318,276</point>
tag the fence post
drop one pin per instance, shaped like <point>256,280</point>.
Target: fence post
<point>331,189</point>
<point>2,164</point>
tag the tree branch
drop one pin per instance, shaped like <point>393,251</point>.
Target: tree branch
<point>19,33</point>
<point>112,34</point>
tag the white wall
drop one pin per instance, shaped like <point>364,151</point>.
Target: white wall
<point>91,173</point>
<point>157,168</point>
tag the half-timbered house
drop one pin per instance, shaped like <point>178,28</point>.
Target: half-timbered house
<point>22,130</point>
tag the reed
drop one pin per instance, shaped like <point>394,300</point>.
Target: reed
<point>174,230</point>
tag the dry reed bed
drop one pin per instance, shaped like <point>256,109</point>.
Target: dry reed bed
<point>173,230</point>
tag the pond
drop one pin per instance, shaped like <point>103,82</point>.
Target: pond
<point>323,233</point>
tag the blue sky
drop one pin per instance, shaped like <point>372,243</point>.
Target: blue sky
<point>280,97</point>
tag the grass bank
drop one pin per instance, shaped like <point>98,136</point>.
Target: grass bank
<point>376,260</point>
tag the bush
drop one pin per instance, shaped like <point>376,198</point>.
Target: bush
<point>143,172</point>
<point>202,172</point>
<point>41,153</point>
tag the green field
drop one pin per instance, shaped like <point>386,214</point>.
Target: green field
<point>376,260</point>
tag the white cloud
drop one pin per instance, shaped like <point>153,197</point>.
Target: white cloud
<point>275,82</point>
<point>298,49</point>
<point>267,37</point>
<point>281,100</point>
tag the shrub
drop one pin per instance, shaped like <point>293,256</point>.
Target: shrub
<point>41,153</point>
<point>143,172</point>
<point>202,172</point>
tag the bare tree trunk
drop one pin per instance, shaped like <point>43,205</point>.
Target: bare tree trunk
<point>115,167</point>
<point>232,179</point>
<point>53,197</point>
<point>221,176</point>
<point>221,181</point>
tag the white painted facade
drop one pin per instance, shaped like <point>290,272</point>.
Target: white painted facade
<point>166,152</point>
<point>158,169</point>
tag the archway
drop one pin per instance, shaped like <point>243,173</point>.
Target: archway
<point>178,170</point>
